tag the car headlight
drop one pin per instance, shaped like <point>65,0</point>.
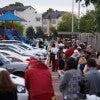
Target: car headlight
<point>21,89</point>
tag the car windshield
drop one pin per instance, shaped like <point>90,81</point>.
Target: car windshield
<point>25,47</point>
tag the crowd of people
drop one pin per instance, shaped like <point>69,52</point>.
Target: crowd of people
<point>78,68</point>
<point>72,60</point>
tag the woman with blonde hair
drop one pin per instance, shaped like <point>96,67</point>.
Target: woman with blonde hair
<point>8,89</point>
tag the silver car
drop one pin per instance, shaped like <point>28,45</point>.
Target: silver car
<point>16,68</point>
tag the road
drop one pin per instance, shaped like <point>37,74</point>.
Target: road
<point>56,82</point>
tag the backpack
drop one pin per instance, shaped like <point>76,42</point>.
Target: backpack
<point>73,87</point>
<point>84,85</point>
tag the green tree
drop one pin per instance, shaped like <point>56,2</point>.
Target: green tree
<point>30,33</point>
<point>87,2</point>
<point>88,22</point>
<point>39,32</point>
<point>17,25</point>
<point>97,16</point>
<point>65,24</point>
<point>50,10</point>
<point>53,31</point>
<point>16,4</point>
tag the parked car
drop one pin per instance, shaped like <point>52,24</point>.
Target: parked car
<point>16,68</point>
<point>21,90</point>
<point>14,59</point>
<point>25,50</point>
<point>13,54</point>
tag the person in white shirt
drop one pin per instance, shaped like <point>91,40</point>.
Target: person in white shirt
<point>54,58</point>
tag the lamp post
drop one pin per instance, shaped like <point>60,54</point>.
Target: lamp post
<point>79,15</point>
<point>72,15</point>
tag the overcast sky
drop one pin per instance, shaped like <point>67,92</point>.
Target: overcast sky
<point>43,5</point>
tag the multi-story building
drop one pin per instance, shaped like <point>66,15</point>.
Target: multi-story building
<point>51,19</point>
<point>28,13</point>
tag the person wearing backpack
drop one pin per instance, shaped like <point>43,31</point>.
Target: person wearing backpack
<point>69,85</point>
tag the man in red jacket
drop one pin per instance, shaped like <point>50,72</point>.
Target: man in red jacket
<point>38,81</point>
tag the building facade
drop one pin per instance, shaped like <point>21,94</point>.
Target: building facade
<point>28,13</point>
<point>51,19</point>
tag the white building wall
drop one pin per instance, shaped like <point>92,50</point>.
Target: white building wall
<point>30,16</point>
<point>50,22</point>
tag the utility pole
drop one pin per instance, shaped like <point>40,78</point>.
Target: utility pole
<point>72,15</point>
<point>79,15</point>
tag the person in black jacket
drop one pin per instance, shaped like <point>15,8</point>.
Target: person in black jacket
<point>8,89</point>
<point>61,59</point>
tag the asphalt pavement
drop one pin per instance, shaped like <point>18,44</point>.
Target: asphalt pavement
<point>56,81</point>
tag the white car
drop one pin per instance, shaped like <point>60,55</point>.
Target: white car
<point>13,54</point>
<point>26,49</point>
<point>12,46</point>
<point>38,52</point>
<point>22,92</point>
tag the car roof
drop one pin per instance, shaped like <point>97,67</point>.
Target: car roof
<point>10,41</point>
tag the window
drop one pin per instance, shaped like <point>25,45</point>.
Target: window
<point>44,29</point>
<point>53,21</point>
<point>44,22</point>
<point>38,19</point>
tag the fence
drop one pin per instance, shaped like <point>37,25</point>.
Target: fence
<point>93,39</point>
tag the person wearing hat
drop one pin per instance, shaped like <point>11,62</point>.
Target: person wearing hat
<point>38,81</point>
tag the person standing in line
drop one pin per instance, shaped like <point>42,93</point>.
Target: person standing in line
<point>93,75</point>
<point>38,81</point>
<point>54,58</point>
<point>69,85</point>
<point>8,90</point>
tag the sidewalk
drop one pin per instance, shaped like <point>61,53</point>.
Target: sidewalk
<point>56,85</point>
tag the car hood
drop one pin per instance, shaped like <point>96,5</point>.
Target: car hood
<point>17,79</point>
<point>16,67</point>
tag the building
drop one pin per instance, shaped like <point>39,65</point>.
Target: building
<point>28,13</point>
<point>51,19</point>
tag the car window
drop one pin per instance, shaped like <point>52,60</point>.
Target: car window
<point>25,47</point>
<point>6,54</point>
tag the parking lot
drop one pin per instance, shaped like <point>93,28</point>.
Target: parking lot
<point>56,81</point>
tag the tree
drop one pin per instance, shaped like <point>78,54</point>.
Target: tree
<point>88,22</point>
<point>18,26</point>
<point>30,33</point>
<point>39,32</point>
<point>53,31</point>
<point>65,24</point>
<point>50,10</point>
<point>97,16</point>
<point>87,2</point>
<point>16,4</point>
